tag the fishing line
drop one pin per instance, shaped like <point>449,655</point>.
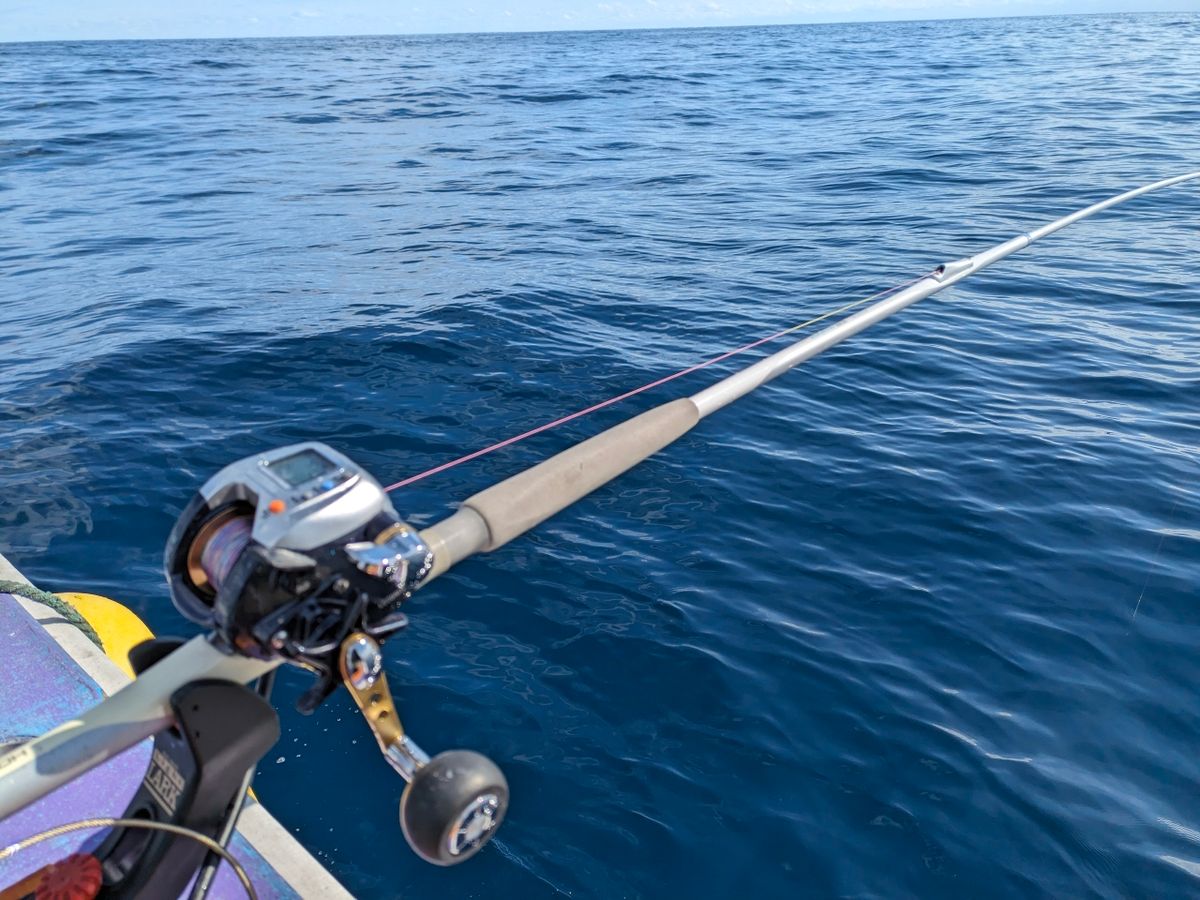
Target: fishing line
<point>1154,562</point>
<point>508,442</point>
<point>84,824</point>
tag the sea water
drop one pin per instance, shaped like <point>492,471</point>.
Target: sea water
<point>917,620</point>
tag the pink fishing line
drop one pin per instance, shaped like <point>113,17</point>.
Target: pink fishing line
<point>412,479</point>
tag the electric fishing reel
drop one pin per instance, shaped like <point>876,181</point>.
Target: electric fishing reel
<point>298,554</point>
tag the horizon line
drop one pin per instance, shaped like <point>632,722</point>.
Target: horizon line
<point>318,37</point>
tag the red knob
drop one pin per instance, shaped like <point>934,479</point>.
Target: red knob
<point>78,877</point>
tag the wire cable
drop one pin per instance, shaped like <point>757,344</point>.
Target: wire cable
<point>84,824</point>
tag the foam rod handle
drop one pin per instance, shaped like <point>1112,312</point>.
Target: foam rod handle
<point>495,516</point>
<point>517,504</point>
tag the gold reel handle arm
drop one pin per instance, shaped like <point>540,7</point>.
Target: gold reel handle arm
<point>361,664</point>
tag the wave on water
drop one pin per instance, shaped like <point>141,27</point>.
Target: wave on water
<point>917,620</point>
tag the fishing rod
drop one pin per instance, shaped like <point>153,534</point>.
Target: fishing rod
<point>298,556</point>
<point>490,519</point>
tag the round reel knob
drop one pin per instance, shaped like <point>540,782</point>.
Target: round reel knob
<point>453,806</point>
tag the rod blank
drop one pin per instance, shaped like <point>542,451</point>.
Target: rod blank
<point>495,516</point>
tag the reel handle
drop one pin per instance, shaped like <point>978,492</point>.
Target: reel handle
<point>453,803</point>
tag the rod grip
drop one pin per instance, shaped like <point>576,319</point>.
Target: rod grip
<point>517,504</point>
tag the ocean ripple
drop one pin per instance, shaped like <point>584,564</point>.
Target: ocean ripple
<point>917,620</point>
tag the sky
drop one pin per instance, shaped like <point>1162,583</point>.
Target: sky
<point>40,20</point>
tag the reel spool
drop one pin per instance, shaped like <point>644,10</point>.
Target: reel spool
<point>298,554</point>
<point>218,547</point>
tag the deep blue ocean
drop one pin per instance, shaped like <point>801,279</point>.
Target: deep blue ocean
<point>917,620</point>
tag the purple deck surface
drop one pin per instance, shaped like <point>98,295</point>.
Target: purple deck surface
<point>41,687</point>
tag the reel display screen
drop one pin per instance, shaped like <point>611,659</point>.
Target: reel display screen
<point>301,467</point>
